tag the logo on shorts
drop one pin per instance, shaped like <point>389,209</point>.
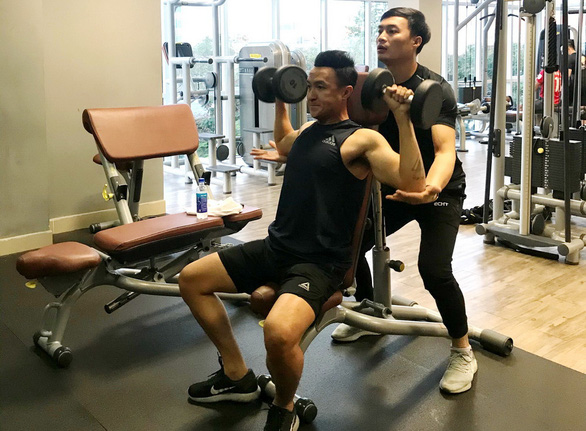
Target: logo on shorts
<point>440,204</point>
<point>304,286</point>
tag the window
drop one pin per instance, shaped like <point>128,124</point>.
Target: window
<point>300,27</point>
<point>245,22</point>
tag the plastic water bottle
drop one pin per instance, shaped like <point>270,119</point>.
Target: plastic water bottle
<point>201,199</point>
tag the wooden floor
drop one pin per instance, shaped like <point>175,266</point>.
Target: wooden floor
<point>540,303</point>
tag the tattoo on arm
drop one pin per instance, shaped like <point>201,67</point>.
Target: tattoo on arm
<point>415,169</point>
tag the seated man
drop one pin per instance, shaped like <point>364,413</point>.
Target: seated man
<point>308,247</point>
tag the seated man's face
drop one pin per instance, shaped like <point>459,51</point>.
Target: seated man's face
<point>325,98</point>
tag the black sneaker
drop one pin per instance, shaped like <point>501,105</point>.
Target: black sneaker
<point>280,419</point>
<point>220,387</point>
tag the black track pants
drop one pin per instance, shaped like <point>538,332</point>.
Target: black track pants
<point>439,223</point>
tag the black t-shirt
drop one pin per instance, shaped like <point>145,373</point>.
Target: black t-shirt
<point>320,199</point>
<point>572,67</point>
<point>572,62</point>
<point>447,117</point>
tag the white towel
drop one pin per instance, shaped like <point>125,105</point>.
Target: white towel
<point>219,208</point>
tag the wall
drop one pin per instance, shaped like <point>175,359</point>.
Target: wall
<point>59,57</point>
<point>24,172</point>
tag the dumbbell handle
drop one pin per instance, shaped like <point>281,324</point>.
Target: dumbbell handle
<point>409,99</point>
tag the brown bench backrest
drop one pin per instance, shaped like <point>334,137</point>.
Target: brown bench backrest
<point>126,134</point>
<point>358,233</point>
<point>357,113</point>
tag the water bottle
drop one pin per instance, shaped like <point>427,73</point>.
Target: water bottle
<point>201,199</point>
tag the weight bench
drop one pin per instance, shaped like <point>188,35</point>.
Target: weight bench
<point>142,256</point>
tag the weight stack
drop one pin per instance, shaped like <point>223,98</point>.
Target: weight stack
<point>580,136</point>
<point>554,166</point>
<point>513,162</point>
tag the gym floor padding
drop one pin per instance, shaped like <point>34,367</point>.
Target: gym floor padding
<point>131,370</point>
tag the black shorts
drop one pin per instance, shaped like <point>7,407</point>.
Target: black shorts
<point>254,264</point>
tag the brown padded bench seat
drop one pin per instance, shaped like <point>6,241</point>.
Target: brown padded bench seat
<point>146,238</point>
<point>57,259</point>
<point>131,242</point>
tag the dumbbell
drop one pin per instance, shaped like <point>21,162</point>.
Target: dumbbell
<point>426,103</point>
<point>287,83</point>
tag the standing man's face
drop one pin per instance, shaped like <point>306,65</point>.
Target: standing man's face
<point>394,41</point>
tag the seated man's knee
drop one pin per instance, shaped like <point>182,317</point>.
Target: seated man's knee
<point>186,280</point>
<point>194,280</point>
<point>278,337</point>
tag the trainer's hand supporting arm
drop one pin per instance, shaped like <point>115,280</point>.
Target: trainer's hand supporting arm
<point>440,172</point>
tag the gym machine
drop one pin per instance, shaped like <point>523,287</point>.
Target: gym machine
<point>256,119</point>
<point>546,171</point>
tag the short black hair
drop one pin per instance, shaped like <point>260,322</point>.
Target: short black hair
<point>342,64</point>
<point>416,20</point>
<point>571,44</point>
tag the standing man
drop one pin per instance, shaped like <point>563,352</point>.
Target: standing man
<point>402,33</point>
<point>572,66</point>
<point>308,247</point>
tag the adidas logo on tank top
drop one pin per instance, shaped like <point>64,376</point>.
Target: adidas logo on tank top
<point>330,140</point>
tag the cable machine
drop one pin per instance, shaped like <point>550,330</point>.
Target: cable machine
<point>547,170</point>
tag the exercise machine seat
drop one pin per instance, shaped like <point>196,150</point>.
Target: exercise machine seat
<point>154,236</point>
<point>57,259</point>
<point>150,237</point>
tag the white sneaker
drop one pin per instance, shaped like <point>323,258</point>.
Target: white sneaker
<point>460,372</point>
<point>346,333</point>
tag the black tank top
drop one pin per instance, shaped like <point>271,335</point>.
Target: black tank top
<point>320,199</point>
